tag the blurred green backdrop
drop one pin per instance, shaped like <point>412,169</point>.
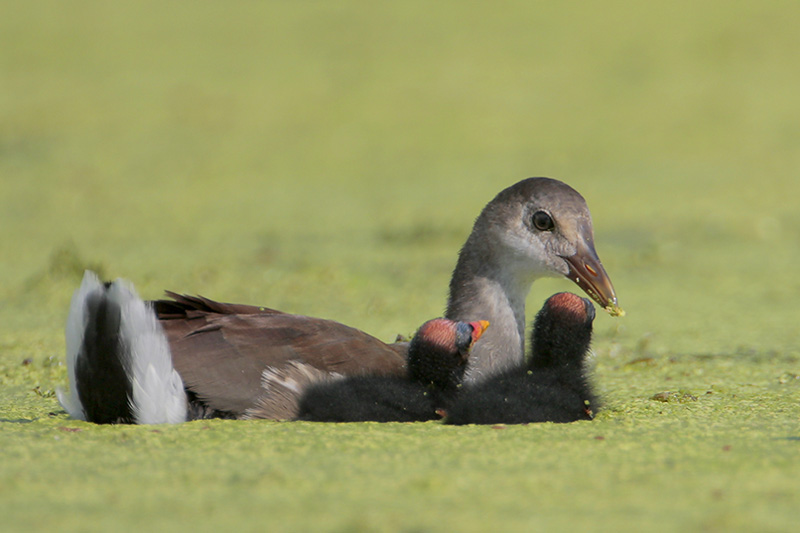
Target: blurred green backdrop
<point>328,158</point>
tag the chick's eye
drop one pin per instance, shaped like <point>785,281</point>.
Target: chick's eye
<point>464,336</point>
<point>542,221</point>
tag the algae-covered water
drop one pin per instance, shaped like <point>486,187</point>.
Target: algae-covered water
<point>329,159</point>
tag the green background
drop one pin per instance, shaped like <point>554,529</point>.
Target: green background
<point>328,158</point>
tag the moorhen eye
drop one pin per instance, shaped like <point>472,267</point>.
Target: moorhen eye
<point>542,221</point>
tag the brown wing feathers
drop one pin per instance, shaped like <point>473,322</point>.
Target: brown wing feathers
<point>222,350</point>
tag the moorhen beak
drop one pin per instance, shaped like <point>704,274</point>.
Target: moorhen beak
<point>586,270</point>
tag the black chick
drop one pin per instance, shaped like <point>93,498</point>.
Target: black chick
<point>553,386</point>
<point>437,357</point>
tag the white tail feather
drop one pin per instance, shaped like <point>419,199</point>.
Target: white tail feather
<point>76,325</point>
<point>158,394</point>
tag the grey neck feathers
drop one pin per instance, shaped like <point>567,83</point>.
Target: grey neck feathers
<point>487,286</point>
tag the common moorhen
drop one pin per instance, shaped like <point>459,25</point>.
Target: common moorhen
<point>242,361</point>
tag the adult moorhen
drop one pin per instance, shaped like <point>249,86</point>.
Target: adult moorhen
<point>242,361</point>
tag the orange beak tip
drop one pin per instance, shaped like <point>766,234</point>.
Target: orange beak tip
<point>478,328</point>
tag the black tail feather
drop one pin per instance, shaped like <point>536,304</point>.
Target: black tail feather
<point>102,371</point>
